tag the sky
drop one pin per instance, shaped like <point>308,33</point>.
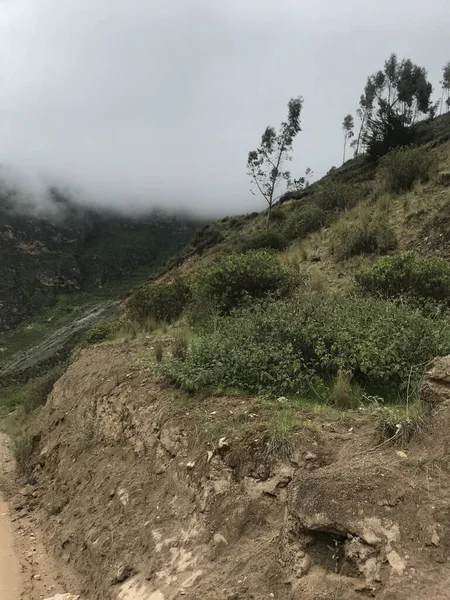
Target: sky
<point>155,103</point>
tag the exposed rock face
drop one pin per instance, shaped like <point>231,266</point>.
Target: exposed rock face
<point>435,384</point>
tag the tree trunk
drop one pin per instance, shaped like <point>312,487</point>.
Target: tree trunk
<point>345,144</point>
<point>360,133</point>
<point>269,214</point>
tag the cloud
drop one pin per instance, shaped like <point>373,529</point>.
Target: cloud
<point>143,103</point>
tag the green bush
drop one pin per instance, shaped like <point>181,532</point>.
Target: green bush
<point>99,332</point>
<point>294,347</point>
<point>306,221</point>
<point>272,240</point>
<point>407,275</point>
<point>161,301</point>
<point>353,239</point>
<point>336,197</point>
<point>238,277</point>
<point>401,168</point>
<point>206,238</point>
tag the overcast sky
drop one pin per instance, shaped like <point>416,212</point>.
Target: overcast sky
<point>157,102</point>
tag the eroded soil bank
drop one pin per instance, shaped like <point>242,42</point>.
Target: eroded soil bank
<point>149,495</point>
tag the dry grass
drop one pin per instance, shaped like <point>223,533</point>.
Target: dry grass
<point>180,342</point>
<point>158,347</point>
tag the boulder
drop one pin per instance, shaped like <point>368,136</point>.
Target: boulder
<point>434,386</point>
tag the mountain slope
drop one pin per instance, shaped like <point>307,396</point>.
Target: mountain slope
<point>76,249</point>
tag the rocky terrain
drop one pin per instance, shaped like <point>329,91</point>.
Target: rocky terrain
<point>146,495</point>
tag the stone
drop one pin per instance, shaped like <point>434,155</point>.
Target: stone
<point>434,386</point>
<point>64,597</point>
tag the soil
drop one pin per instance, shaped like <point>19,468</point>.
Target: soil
<point>145,494</point>
<point>27,570</point>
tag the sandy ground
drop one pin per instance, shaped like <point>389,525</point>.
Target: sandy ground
<point>27,572</point>
<point>10,571</point>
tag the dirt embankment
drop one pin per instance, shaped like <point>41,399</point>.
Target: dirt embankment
<point>150,496</point>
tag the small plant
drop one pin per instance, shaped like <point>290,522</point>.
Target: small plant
<point>180,343</point>
<point>22,447</point>
<point>401,168</point>
<point>100,332</point>
<point>353,239</point>
<point>397,425</point>
<point>158,347</point>
<point>342,393</point>
<point>271,240</point>
<point>159,301</point>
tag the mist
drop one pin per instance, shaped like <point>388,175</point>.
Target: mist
<point>137,104</point>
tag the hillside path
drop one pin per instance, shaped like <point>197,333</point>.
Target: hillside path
<point>10,571</point>
<point>27,572</point>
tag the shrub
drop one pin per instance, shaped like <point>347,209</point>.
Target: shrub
<point>205,238</point>
<point>336,197</point>
<point>272,240</point>
<point>407,275</point>
<point>238,277</point>
<point>352,239</point>
<point>160,301</point>
<point>99,332</point>
<point>22,447</point>
<point>399,170</point>
<point>306,221</point>
<point>293,347</point>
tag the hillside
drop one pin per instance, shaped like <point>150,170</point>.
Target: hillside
<point>267,418</point>
<point>75,249</point>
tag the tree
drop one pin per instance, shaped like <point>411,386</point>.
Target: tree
<point>445,83</point>
<point>265,165</point>
<point>394,99</point>
<point>364,111</point>
<point>301,182</point>
<point>347,126</point>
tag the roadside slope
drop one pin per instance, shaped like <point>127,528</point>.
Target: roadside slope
<point>148,494</point>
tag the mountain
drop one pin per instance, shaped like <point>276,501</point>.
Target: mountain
<point>72,249</point>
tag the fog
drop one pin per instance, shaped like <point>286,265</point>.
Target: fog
<point>143,103</point>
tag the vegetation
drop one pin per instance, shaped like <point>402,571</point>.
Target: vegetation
<point>407,275</point>
<point>160,301</point>
<point>306,221</point>
<point>100,332</point>
<point>347,126</point>
<point>401,168</point>
<point>27,397</point>
<point>355,238</point>
<point>336,196</point>
<point>393,100</point>
<point>300,346</point>
<point>238,278</point>
<point>265,165</point>
<point>271,240</point>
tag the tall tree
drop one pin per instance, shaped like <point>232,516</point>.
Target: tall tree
<point>265,165</point>
<point>445,83</point>
<point>364,111</point>
<point>347,126</point>
<point>402,94</point>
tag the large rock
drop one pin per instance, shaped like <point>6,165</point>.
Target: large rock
<point>434,386</point>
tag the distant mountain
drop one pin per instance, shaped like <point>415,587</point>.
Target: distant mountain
<point>74,249</point>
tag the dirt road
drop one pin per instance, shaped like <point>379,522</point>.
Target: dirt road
<point>27,572</point>
<point>10,571</point>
